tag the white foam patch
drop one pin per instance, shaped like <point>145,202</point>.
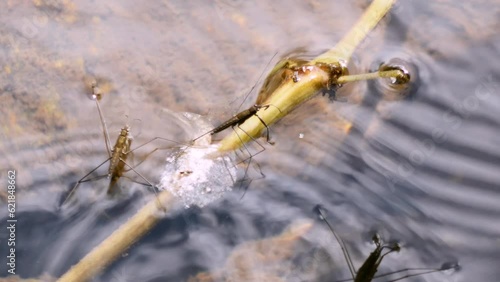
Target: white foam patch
<point>198,175</point>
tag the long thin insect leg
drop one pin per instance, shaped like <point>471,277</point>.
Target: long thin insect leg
<point>391,249</point>
<point>423,270</point>
<point>229,172</point>
<point>153,151</point>
<point>73,190</point>
<point>140,175</point>
<point>264,123</point>
<point>143,160</point>
<point>156,138</point>
<point>249,159</point>
<point>147,185</point>
<point>138,182</point>
<point>247,167</point>
<point>130,156</point>
<point>260,76</point>
<point>411,275</point>
<point>250,180</point>
<point>267,130</point>
<point>104,127</point>
<point>253,139</point>
<point>259,169</point>
<point>150,184</point>
<point>83,180</point>
<point>339,240</point>
<point>244,179</point>
<point>239,157</point>
<point>93,178</point>
<point>204,134</point>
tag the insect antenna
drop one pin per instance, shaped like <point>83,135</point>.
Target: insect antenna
<point>455,266</point>
<point>321,214</point>
<point>255,85</point>
<point>96,96</point>
<point>215,130</point>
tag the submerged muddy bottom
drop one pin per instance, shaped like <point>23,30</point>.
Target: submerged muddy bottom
<point>420,170</point>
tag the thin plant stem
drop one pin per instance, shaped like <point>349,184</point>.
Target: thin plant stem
<point>373,75</point>
<point>120,240</point>
<point>293,93</point>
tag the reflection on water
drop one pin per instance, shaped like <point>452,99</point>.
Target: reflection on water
<point>422,170</point>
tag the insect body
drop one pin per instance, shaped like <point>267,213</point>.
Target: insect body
<point>238,119</point>
<point>119,155</point>
<point>367,271</point>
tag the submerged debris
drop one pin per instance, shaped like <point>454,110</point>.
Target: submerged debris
<point>263,260</point>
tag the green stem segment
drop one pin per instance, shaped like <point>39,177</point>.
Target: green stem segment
<point>119,241</point>
<point>292,93</point>
<point>344,48</point>
<point>373,75</point>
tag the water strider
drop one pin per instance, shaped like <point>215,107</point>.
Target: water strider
<point>241,117</point>
<point>367,271</point>
<point>117,155</point>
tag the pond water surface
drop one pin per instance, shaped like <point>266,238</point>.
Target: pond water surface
<point>423,170</point>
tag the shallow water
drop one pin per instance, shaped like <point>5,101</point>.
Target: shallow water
<point>422,170</point>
